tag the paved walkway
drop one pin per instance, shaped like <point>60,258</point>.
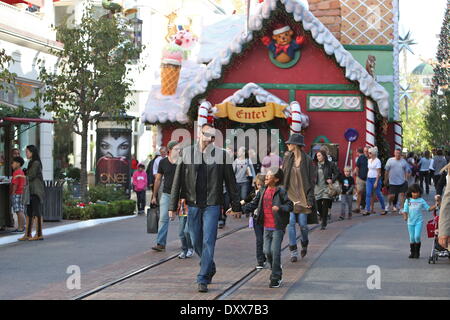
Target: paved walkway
<point>341,271</point>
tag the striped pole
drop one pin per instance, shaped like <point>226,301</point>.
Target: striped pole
<point>370,123</point>
<point>299,119</point>
<point>204,110</point>
<point>398,135</point>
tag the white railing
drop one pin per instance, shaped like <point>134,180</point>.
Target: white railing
<point>29,22</point>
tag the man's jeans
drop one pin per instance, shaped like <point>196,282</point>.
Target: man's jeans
<point>163,218</point>
<point>243,190</point>
<point>272,250</point>
<point>183,234</point>
<point>302,220</point>
<point>202,224</point>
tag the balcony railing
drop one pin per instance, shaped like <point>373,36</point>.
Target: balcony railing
<point>31,23</point>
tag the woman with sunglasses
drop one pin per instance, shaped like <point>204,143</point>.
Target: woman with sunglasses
<point>374,180</point>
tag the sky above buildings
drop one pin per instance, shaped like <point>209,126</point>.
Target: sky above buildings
<point>424,20</point>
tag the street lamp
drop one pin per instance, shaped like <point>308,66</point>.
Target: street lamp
<point>137,32</point>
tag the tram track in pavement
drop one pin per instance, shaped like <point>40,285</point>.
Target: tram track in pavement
<point>221,296</point>
<point>246,278</point>
<point>144,269</point>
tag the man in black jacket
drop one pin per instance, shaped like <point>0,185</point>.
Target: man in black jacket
<point>199,178</point>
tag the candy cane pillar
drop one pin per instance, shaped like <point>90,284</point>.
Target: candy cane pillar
<point>398,135</point>
<point>299,120</point>
<point>370,123</point>
<point>204,110</point>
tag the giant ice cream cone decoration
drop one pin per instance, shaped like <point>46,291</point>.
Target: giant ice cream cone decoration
<point>172,57</point>
<point>170,68</point>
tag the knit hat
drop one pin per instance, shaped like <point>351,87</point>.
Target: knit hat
<point>172,144</point>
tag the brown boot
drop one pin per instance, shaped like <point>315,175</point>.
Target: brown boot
<point>29,227</point>
<point>38,235</point>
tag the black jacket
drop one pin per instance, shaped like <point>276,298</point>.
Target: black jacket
<point>330,171</point>
<point>280,199</point>
<point>219,170</point>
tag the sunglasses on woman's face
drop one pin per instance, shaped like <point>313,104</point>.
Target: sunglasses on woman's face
<point>208,135</point>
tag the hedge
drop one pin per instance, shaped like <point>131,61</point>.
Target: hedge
<point>98,210</point>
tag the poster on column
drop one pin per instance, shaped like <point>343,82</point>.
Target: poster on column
<point>113,158</point>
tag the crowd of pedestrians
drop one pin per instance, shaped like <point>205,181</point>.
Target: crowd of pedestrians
<point>280,193</point>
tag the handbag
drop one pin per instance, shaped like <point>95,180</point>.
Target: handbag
<point>152,219</point>
<point>334,189</point>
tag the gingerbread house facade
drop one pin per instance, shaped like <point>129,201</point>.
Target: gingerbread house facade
<point>321,93</point>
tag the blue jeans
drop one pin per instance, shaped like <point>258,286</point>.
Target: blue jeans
<point>202,224</point>
<point>243,190</point>
<point>259,233</point>
<point>369,189</point>
<point>302,220</point>
<point>183,234</point>
<point>415,230</point>
<point>272,250</point>
<point>163,219</point>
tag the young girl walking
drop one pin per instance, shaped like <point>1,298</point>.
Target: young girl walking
<point>259,229</point>
<point>412,212</point>
<point>273,214</point>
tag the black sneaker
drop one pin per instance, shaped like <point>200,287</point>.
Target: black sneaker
<point>341,218</point>
<point>260,265</point>
<point>202,287</point>
<point>210,276</point>
<point>275,283</point>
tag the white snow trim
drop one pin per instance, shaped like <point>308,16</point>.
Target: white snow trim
<point>262,96</point>
<point>161,108</point>
<point>353,69</point>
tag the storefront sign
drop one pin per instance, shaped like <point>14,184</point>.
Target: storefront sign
<point>250,114</point>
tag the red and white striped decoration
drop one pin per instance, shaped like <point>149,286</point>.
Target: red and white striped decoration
<point>204,111</point>
<point>299,120</point>
<point>398,135</point>
<point>370,123</point>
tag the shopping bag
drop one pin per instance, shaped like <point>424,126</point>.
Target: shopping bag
<point>152,219</point>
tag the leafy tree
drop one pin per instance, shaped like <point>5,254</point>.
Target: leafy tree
<point>416,136</point>
<point>438,117</point>
<point>6,77</point>
<point>92,75</point>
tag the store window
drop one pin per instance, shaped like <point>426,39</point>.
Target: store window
<point>21,93</point>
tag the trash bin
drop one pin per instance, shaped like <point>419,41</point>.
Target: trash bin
<point>53,203</point>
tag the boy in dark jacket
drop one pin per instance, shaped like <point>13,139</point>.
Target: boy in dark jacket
<point>348,184</point>
<point>273,213</point>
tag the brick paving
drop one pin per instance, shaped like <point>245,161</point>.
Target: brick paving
<point>98,277</point>
<point>176,279</point>
<point>235,258</point>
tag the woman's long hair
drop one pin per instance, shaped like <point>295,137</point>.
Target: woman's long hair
<point>34,155</point>
<point>324,155</point>
<point>427,154</point>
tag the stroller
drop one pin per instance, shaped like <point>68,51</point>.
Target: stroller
<point>436,250</point>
